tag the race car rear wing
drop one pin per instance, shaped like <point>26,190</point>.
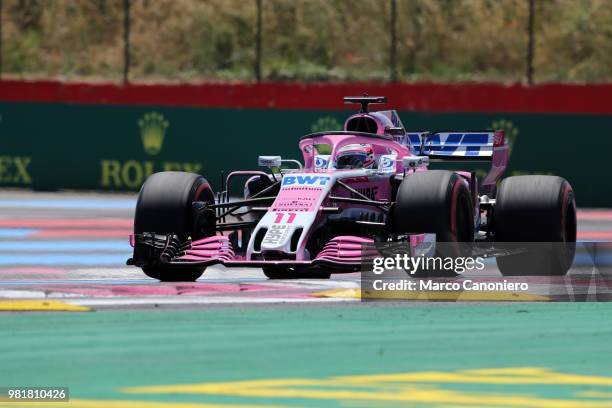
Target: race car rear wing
<point>471,146</point>
<point>488,146</point>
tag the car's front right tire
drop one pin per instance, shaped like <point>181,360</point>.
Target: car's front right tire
<point>275,272</point>
<point>164,206</point>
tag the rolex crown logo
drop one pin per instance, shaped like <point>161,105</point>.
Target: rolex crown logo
<point>153,127</point>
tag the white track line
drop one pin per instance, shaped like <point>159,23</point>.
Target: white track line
<point>199,300</point>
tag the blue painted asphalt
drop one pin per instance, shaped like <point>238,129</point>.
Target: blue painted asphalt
<point>16,232</point>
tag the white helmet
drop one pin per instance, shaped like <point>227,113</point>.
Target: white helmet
<point>355,156</point>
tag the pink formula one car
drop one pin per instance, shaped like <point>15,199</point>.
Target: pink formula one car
<point>367,184</point>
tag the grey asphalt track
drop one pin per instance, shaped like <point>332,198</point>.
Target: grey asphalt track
<point>72,247</point>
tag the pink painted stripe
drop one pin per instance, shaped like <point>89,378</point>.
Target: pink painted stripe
<point>595,215</point>
<point>71,223</point>
<point>42,270</point>
<point>595,235</point>
<point>170,289</point>
<point>207,288</point>
<point>93,233</point>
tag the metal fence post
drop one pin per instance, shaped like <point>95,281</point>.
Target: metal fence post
<point>126,41</point>
<point>530,42</point>
<point>393,48</point>
<point>258,42</point>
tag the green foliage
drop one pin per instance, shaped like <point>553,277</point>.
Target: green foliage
<point>308,40</point>
<point>324,123</point>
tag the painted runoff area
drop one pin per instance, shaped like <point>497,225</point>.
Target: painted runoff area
<point>504,355</point>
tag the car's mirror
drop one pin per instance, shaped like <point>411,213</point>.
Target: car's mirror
<point>269,161</point>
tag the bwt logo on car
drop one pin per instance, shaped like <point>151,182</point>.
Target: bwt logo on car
<point>305,180</point>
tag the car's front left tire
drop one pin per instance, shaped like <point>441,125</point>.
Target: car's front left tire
<point>436,201</point>
<point>539,211</point>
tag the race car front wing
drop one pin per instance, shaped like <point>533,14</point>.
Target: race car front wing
<point>152,249</point>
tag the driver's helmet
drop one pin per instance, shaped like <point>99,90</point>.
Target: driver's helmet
<point>355,156</point>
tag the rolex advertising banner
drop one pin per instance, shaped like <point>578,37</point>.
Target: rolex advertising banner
<point>49,146</point>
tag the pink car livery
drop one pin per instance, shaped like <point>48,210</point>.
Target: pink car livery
<point>368,184</point>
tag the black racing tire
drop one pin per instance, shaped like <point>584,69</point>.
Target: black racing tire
<point>540,210</point>
<point>273,272</point>
<point>167,274</point>
<point>164,206</point>
<point>436,201</point>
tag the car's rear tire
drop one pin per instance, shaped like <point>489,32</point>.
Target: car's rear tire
<point>165,206</point>
<point>539,210</point>
<point>272,272</point>
<point>436,201</point>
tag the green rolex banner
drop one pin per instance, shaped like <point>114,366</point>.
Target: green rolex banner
<point>114,147</point>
